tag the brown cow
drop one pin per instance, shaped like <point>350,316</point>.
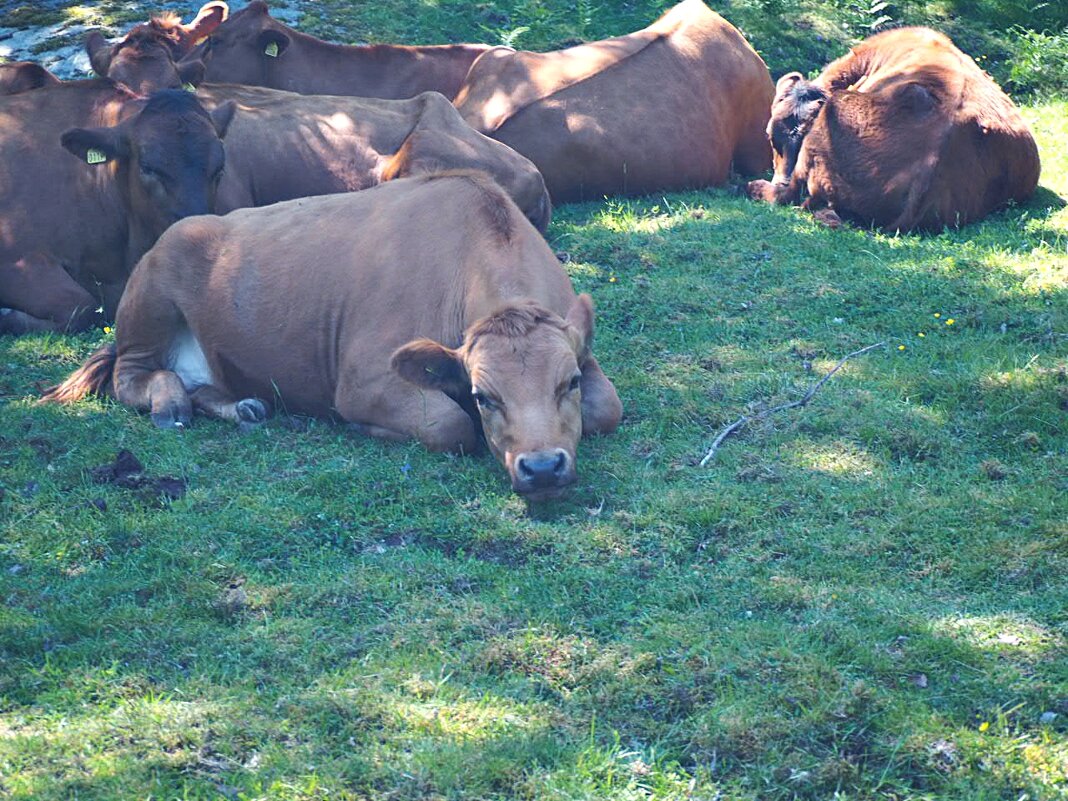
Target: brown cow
<point>904,132</point>
<point>147,59</point>
<point>71,228</point>
<point>433,306</point>
<point>669,107</point>
<point>282,145</point>
<point>22,76</point>
<point>253,48</point>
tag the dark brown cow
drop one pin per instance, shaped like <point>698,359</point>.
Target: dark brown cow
<point>904,132</point>
<point>427,307</point>
<point>669,107</point>
<point>147,59</point>
<point>283,145</point>
<point>71,228</point>
<point>22,76</point>
<point>255,49</point>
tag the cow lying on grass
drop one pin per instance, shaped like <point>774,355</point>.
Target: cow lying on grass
<point>427,307</point>
<point>72,228</point>
<point>282,146</point>
<point>672,106</point>
<point>904,132</point>
<point>253,48</point>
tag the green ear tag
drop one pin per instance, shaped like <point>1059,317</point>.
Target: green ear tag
<point>94,156</point>
<point>189,87</point>
<point>271,49</point>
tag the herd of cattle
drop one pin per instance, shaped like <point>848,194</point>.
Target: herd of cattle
<point>430,306</point>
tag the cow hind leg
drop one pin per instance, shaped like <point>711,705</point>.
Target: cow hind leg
<point>601,409</point>
<point>213,402</point>
<point>159,392</point>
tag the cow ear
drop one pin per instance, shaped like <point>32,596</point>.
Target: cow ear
<point>95,145</point>
<point>786,83</point>
<point>99,50</point>
<point>190,73</point>
<point>430,365</point>
<point>580,327</point>
<point>222,116</point>
<point>211,16</point>
<point>23,76</point>
<point>272,43</point>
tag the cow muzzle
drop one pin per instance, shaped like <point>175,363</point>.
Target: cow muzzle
<point>539,475</point>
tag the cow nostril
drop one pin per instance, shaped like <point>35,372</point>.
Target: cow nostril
<point>561,463</point>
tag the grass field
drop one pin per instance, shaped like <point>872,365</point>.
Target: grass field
<point>863,599</point>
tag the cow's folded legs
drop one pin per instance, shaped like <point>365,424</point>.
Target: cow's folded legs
<point>159,392</point>
<point>409,413</point>
<point>213,402</point>
<point>43,297</point>
<point>601,409</point>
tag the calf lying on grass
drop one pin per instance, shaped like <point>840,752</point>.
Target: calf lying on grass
<point>427,307</point>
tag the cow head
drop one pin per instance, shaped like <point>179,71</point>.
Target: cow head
<point>22,76</point>
<point>168,156</point>
<point>522,367</point>
<point>240,50</point>
<point>150,56</point>
<point>795,108</point>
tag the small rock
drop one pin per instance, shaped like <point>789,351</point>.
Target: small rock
<point>1047,718</point>
<point>920,680</point>
<point>14,570</point>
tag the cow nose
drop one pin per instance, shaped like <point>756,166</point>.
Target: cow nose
<point>542,469</point>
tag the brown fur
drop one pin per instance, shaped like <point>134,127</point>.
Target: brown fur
<point>669,107</point>
<point>70,231</point>
<point>322,339</point>
<point>904,132</point>
<point>23,76</point>
<point>282,146</point>
<point>235,54</point>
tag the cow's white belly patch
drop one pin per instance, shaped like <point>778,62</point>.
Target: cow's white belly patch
<point>187,359</point>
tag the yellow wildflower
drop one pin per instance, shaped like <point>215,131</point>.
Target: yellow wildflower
<point>937,314</point>
<point>107,329</point>
<point>900,347</point>
<point>984,725</point>
<point>950,321</point>
<point>921,334</point>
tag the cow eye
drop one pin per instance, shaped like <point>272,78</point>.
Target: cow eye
<point>483,401</point>
<point>149,172</point>
<point>574,384</point>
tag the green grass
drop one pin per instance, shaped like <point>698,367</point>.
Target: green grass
<point>867,597</point>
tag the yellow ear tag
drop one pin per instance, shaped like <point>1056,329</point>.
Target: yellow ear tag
<point>189,87</point>
<point>94,156</point>
<point>271,49</point>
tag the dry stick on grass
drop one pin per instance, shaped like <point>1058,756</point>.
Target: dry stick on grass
<point>803,401</point>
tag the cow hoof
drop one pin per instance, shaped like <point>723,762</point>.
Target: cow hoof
<point>828,217</point>
<point>251,410</point>
<point>171,419</point>
<point>759,190</point>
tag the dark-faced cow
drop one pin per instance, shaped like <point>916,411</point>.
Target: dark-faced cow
<point>904,132</point>
<point>282,145</point>
<point>22,76</point>
<point>670,107</point>
<point>72,226</point>
<point>255,49</point>
<point>434,311</point>
<point>148,57</point>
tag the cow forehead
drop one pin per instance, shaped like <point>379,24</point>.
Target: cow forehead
<point>543,353</point>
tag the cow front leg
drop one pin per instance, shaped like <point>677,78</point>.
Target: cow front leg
<point>601,409</point>
<point>405,412</point>
<point>213,402</point>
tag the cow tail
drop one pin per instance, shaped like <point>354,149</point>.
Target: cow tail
<point>92,378</point>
